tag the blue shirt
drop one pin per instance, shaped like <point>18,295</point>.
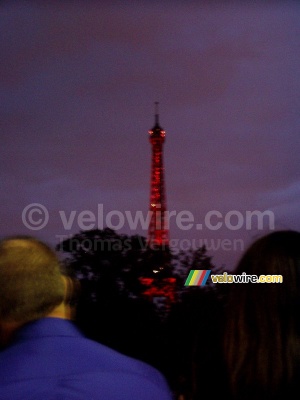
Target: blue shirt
<point>50,359</point>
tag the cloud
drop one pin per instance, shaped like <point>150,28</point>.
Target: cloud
<point>77,90</point>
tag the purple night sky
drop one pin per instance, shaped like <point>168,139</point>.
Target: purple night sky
<point>78,84</point>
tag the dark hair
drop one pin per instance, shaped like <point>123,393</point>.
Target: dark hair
<point>261,343</point>
<point>31,284</point>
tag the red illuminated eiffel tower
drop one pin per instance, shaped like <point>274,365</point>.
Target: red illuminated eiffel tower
<point>158,233</point>
<point>159,285</point>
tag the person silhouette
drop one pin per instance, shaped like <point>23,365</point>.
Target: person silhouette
<point>44,354</point>
<point>261,336</point>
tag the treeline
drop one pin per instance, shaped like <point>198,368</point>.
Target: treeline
<point>133,299</point>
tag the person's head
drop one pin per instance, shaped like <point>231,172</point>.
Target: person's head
<point>275,253</point>
<point>31,283</point>
<point>262,323</point>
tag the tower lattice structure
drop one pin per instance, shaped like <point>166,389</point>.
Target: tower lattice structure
<point>158,233</point>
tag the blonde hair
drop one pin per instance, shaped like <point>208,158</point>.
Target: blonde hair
<point>31,283</point>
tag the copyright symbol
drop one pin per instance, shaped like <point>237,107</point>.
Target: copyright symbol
<point>35,216</point>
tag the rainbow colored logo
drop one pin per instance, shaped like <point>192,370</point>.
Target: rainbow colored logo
<point>197,277</point>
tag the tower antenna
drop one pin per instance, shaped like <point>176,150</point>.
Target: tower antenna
<point>156,112</point>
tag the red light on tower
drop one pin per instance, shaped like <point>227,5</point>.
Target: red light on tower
<point>158,234</point>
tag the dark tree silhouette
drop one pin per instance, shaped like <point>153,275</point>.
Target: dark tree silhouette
<point>113,262</point>
<point>113,309</point>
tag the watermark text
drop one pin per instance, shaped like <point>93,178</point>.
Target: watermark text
<point>36,216</point>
